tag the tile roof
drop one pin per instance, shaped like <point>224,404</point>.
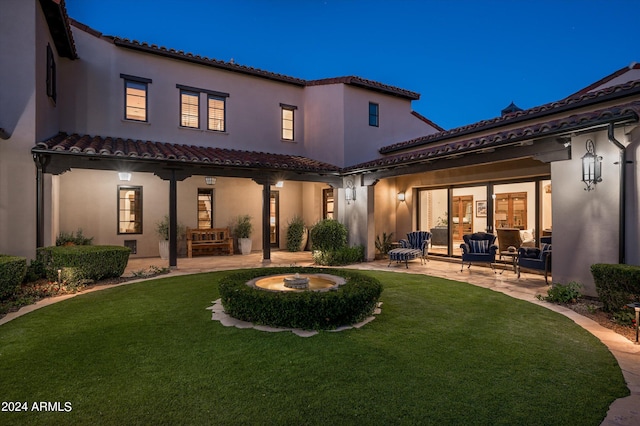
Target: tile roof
<point>621,71</point>
<point>231,66</point>
<point>55,12</point>
<point>590,98</point>
<point>629,111</point>
<point>119,148</point>
<point>203,60</point>
<point>367,84</point>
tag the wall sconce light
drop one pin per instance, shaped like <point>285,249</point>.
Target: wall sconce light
<point>401,196</point>
<point>350,192</point>
<point>124,176</point>
<point>591,166</point>
<point>210,180</point>
<point>279,184</point>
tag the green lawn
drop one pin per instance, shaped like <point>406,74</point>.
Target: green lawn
<point>441,352</point>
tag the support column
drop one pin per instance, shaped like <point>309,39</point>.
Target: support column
<point>41,164</point>
<point>266,241</point>
<point>173,221</point>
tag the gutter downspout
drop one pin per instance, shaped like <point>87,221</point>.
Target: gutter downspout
<point>623,191</point>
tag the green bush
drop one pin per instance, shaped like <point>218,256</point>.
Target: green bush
<point>12,272</point>
<point>617,285</point>
<point>383,245</point>
<point>79,265</point>
<point>560,293</point>
<point>73,239</point>
<point>310,310</point>
<point>328,235</point>
<point>343,256</point>
<point>295,233</point>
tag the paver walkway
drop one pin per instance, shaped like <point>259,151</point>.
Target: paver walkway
<point>623,412</point>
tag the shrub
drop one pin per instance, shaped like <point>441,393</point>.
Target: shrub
<point>12,272</point>
<point>79,265</point>
<point>295,233</point>
<point>243,227</point>
<point>383,245</point>
<point>77,239</point>
<point>343,256</point>
<point>617,285</point>
<point>559,293</point>
<point>311,310</point>
<point>328,235</point>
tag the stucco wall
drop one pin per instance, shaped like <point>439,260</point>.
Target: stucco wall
<point>585,223</point>
<point>252,108</point>
<point>396,124</point>
<point>18,119</point>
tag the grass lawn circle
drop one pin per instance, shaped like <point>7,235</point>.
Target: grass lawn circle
<point>441,352</point>
<point>346,304</point>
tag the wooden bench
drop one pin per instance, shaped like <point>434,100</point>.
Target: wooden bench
<point>209,241</point>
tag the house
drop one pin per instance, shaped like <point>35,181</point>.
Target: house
<point>110,135</point>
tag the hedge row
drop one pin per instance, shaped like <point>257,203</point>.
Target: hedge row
<point>617,285</point>
<point>310,310</point>
<point>82,264</point>
<point>12,272</point>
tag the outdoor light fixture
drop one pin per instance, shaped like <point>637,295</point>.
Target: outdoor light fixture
<point>125,176</point>
<point>591,166</point>
<point>350,192</point>
<point>401,196</point>
<point>279,184</point>
<point>210,180</point>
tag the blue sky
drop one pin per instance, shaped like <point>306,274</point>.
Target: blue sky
<point>468,59</point>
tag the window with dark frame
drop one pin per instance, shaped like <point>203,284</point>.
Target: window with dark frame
<point>216,113</point>
<point>374,114</point>
<point>129,210</point>
<point>205,208</point>
<point>51,74</point>
<point>327,203</point>
<point>287,114</point>
<point>189,109</point>
<point>135,97</point>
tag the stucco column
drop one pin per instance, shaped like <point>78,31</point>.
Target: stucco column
<point>358,217</point>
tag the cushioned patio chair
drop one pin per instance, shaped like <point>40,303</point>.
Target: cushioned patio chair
<point>416,245</point>
<point>536,258</point>
<point>479,247</point>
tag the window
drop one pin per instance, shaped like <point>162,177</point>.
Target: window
<point>374,114</point>
<point>129,210</point>
<point>216,113</point>
<point>205,208</point>
<point>287,121</point>
<point>189,106</point>
<point>51,74</point>
<point>135,97</point>
<point>327,203</point>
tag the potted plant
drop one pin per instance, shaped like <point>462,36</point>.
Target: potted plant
<point>242,231</point>
<point>162,229</point>
<point>383,245</point>
<point>297,234</point>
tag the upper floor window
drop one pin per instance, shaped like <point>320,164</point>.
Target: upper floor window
<point>189,107</point>
<point>374,114</point>
<point>135,97</point>
<point>129,210</point>
<point>51,74</point>
<point>216,113</point>
<point>287,112</point>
